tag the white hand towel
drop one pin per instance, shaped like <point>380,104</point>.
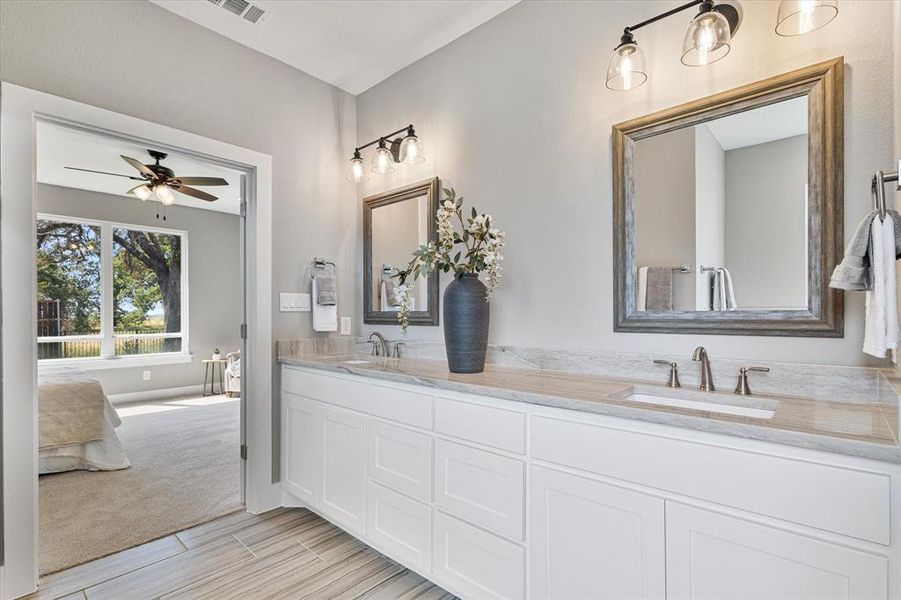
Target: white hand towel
<point>874,339</point>
<point>891,283</point>
<point>728,290</point>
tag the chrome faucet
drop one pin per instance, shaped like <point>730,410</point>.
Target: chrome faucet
<point>380,345</point>
<point>700,354</point>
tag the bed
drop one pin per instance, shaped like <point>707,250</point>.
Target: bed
<point>76,423</point>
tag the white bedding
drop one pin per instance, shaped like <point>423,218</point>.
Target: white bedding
<point>105,454</point>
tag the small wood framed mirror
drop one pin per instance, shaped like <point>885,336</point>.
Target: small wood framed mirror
<point>728,211</point>
<point>395,224</point>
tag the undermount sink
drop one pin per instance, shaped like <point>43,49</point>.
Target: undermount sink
<point>755,408</point>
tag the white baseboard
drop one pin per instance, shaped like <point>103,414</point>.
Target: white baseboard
<point>143,396</point>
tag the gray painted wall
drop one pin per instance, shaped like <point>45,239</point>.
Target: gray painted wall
<point>665,207</point>
<point>516,116</point>
<point>766,223</point>
<point>710,231</point>
<point>214,307</point>
<point>101,53</point>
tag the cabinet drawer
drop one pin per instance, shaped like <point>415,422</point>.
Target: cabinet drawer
<point>325,388</point>
<point>477,564</point>
<point>400,458</point>
<point>495,427</point>
<point>793,490</point>
<point>481,487</point>
<point>403,406</point>
<point>401,526</point>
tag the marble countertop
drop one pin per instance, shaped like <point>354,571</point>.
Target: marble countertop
<point>867,430</point>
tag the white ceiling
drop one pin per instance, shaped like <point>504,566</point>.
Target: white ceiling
<point>59,147</point>
<point>351,44</point>
<point>760,125</point>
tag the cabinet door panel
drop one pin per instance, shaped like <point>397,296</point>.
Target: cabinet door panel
<point>712,556</point>
<point>593,540</point>
<point>342,468</point>
<point>301,446</point>
<point>401,526</point>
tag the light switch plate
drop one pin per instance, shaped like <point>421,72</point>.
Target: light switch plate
<point>345,325</point>
<point>146,375</point>
<point>294,302</point>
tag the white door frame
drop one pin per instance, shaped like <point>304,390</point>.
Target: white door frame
<point>20,108</point>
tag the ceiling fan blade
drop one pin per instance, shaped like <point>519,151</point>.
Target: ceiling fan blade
<point>200,180</point>
<point>140,167</point>
<point>189,191</point>
<point>106,173</point>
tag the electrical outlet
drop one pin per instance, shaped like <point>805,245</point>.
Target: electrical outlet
<point>345,325</point>
<point>147,375</point>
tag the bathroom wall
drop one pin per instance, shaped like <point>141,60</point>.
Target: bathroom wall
<point>710,209</point>
<point>665,208</point>
<point>214,310</point>
<point>102,53</point>
<point>766,223</point>
<point>515,115</point>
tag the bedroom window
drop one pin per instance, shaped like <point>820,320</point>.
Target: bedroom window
<point>109,290</point>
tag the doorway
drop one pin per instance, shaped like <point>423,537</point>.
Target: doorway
<point>22,112</point>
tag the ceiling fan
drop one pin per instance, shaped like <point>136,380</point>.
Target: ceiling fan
<point>161,181</point>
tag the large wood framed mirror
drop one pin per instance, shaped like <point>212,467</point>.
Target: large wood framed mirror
<point>396,223</point>
<point>728,211</point>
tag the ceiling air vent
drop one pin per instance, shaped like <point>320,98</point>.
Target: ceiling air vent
<point>254,13</point>
<point>235,6</point>
<point>248,12</point>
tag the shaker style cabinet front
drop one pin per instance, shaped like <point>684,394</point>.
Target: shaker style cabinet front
<point>593,540</point>
<point>301,447</point>
<point>716,557</point>
<point>343,464</point>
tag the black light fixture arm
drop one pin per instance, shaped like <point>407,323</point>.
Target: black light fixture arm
<point>384,138</point>
<point>726,10</point>
<point>668,13</point>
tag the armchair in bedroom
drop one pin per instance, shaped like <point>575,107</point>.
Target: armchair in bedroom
<point>233,374</point>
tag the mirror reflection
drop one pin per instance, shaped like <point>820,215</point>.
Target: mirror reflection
<point>398,229</point>
<point>721,213</point>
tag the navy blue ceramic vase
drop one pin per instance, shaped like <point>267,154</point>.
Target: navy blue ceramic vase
<point>466,315</point>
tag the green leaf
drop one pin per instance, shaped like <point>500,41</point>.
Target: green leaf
<point>474,212</point>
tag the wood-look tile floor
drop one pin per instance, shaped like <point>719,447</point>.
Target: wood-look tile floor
<point>285,553</point>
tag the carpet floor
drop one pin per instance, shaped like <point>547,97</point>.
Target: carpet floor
<point>184,471</point>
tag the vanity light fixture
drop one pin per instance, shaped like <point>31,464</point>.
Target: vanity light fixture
<point>708,39</point>
<point>797,17</point>
<point>407,150</point>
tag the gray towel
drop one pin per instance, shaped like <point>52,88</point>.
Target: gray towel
<point>660,289</point>
<point>854,273</point>
<point>327,294</point>
<point>391,296</point>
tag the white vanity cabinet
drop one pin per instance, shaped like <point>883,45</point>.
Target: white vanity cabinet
<point>593,540</point>
<point>709,555</point>
<point>499,499</point>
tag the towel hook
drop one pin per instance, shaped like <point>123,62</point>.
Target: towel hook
<point>879,194</point>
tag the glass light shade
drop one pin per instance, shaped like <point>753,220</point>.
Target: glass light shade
<point>382,161</point>
<point>357,171</point>
<point>627,68</point>
<point>797,17</point>
<point>143,192</point>
<point>164,194</point>
<point>411,151</point>
<point>707,40</point>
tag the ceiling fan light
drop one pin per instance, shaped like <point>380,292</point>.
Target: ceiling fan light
<point>797,17</point>
<point>143,192</point>
<point>411,150</point>
<point>382,160</point>
<point>707,40</point>
<point>164,194</point>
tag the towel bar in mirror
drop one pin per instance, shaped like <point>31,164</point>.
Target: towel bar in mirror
<point>747,185</point>
<point>395,223</point>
